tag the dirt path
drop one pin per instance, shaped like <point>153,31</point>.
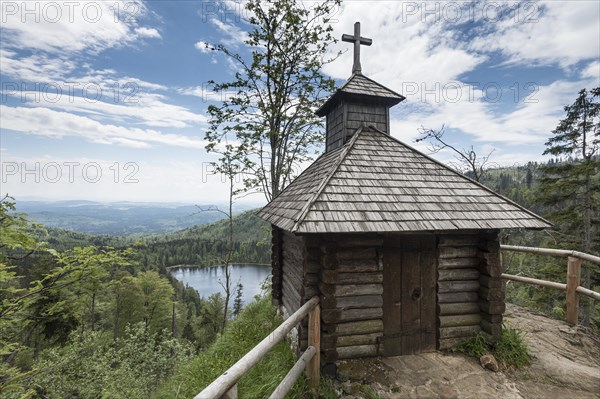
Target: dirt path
<point>565,364</point>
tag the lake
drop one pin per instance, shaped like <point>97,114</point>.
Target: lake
<point>206,279</point>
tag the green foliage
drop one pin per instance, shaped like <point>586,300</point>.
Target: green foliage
<point>270,104</point>
<point>207,245</point>
<point>255,322</point>
<point>572,188</point>
<point>16,240</point>
<point>510,349</point>
<point>95,367</point>
<point>476,346</point>
<point>369,392</point>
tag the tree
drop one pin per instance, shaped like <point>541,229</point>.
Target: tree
<point>469,163</point>
<point>237,304</point>
<point>230,166</point>
<point>271,101</point>
<point>14,236</point>
<point>157,298</point>
<point>571,187</point>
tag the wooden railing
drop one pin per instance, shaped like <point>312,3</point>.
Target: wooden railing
<point>225,386</point>
<point>572,286</point>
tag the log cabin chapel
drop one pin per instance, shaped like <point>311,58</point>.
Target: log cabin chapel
<point>402,250</point>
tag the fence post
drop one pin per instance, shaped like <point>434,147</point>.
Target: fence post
<point>573,279</point>
<point>313,369</point>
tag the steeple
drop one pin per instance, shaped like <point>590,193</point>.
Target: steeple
<point>359,102</point>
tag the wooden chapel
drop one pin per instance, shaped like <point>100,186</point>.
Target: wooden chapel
<point>402,250</point>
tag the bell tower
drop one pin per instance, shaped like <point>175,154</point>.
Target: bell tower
<point>359,102</point>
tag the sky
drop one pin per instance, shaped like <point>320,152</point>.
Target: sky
<point>106,100</point>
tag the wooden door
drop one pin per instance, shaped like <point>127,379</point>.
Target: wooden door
<point>409,295</point>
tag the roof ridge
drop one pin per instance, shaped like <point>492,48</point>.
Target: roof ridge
<point>323,184</point>
<point>460,174</point>
<point>377,83</point>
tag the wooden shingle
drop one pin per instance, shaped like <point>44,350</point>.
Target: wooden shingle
<point>360,85</point>
<point>375,183</point>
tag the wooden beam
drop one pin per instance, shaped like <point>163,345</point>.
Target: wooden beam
<point>458,286</point>
<point>590,293</point>
<point>458,274</point>
<point>230,377</point>
<point>553,252</point>
<point>573,278</point>
<point>350,352</point>
<point>313,368</point>
<point>460,320</point>
<point>458,308</point>
<point>454,297</point>
<point>535,281</point>
<point>295,372</point>
<point>458,332</point>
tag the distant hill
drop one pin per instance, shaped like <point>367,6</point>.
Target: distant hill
<point>202,245</point>
<point>117,218</point>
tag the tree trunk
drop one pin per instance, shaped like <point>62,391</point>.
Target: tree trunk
<point>587,226</point>
<point>227,286</point>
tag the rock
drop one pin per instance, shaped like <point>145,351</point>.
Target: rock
<point>341,376</point>
<point>348,388</point>
<point>489,362</point>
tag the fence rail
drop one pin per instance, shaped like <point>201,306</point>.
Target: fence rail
<point>572,286</point>
<point>225,386</point>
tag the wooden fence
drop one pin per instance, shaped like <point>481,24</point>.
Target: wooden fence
<point>572,286</point>
<point>225,386</point>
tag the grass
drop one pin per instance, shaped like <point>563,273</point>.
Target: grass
<point>509,350</point>
<point>369,392</point>
<point>255,322</point>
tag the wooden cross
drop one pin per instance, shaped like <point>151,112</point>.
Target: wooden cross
<point>357,40</point>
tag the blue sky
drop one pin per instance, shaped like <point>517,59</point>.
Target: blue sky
<point>106,100</point>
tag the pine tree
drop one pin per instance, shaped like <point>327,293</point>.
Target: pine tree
<point>237,303</point>
<point>571,188</point>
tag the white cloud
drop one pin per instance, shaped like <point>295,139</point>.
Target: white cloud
<point>120,179</point>
<point>67,27</point>
<point>147,32</point>
<point>529,123</point>
<point>559,32</point>
<point>403,50</point>
<point>592,70</point>
<point>54,124</point>
<point>141,108</point>
<point>233,35</point>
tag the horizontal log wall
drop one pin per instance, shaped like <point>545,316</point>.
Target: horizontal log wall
<point>359,300</point>
<point>458,289</point>
<point>310,279</point>
<point>351,291</point>
<point>491,291</point>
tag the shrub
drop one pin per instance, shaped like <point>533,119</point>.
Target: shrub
<point>255,322</point>
<point>510,349</point>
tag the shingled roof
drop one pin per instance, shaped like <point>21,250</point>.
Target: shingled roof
<point>360,86</point>
<point>375,183</point>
